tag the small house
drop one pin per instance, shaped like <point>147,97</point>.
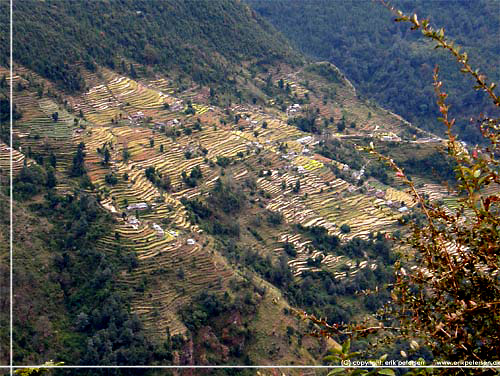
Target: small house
<point>191,242</point>
<point>138,206</point>
<point>159,231</point>
<point>134,222</point>
<point>305,140</point>
<point>138,116</point>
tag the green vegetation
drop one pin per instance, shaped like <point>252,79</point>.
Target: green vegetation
<point>149,235</point>
<point>388,63</point>
<point>188,35</point>
<point>445,297</point>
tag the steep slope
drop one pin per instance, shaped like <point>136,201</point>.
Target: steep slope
<point>239,210</point>
<point>204,39</point>
<point>388,62</point>
<point>182,222</point>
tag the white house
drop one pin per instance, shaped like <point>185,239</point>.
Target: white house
<point>138,206</point>
<point>159,231</point>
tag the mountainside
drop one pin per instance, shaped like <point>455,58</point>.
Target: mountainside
<point>389,63</point>
<point>173,220</point>
<point>205,39</point>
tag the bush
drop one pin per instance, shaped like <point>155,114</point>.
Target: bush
<point>345,228</point>
<point>111,179</point>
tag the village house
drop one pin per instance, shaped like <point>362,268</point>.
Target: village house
<point>137,116</point>
<point>138,206</point>
<point>173,123</point>
<point>174,233</point>
<point>134,222</point>
<point>177,106</point>
<point>357,174</point>
<point>370,190</point>
<point>293,109</point>
<point>159,231</point>
<point>305,140</point>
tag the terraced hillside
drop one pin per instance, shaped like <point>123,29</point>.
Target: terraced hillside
<point>187,177</point>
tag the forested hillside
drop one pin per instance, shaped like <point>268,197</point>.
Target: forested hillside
<point>385,60</point>
<point>204,39</point>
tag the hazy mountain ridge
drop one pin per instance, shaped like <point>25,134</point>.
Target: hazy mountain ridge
<point>389,63</point>
<point>206,40</point>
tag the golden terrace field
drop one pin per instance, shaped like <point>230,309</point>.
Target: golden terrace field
<point>143,124</point>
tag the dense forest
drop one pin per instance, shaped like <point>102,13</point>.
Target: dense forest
<point>387,62</point>
<point>205,40</point>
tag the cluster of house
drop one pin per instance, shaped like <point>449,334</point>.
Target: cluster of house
<point>254,144</point>
<point>289,156</point>
<point>378,193</point>
<point>160,232</point>
<point>177,106</point>
<point>170,123</point>
<point>293,109</point>
<point>139,115</point>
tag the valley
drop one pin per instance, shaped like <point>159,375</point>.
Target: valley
<point>154,153</point>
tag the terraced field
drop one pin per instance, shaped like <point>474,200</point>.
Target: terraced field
<point>169,273</point>
<point>39,134</point>
<point>145,124</point>
<point>18,160</point>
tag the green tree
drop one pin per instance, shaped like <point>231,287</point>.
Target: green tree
<point>125,154</point>
<point>78,166</point>
<point>447,293</point>
<point>53,160</point>
<point>133,73</point>
<point>51,177</point>
<point>457,255</point>
<point>107,156</point>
